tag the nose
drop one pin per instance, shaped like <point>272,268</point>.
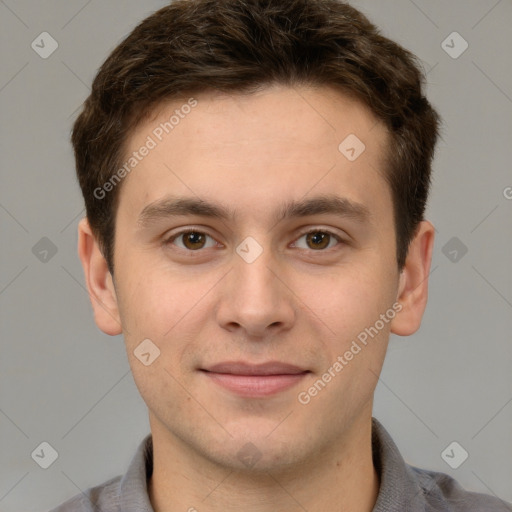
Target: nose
<point>255,299</point>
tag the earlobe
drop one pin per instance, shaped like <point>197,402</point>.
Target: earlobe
<point>413,282</point>
<point>99,281</point>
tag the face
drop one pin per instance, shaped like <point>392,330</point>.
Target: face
<point>252,233</point>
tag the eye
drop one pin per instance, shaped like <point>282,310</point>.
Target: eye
<point>191,240</point>
<point>194,240</point>
<point>319,239</point>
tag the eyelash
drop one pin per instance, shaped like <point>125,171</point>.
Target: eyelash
<point>171,239</point>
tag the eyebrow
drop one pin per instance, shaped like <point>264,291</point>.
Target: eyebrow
<point>173,206</point>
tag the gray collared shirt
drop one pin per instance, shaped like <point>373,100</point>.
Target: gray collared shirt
<point>403,488</point>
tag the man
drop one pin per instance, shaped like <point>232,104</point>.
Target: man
<point>255,175</point>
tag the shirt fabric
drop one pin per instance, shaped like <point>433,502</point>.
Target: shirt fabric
<point>403,488</point>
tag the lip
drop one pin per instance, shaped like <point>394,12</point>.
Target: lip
<point>255,380</point>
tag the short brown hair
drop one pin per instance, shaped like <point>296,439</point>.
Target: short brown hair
<point>239,46</point>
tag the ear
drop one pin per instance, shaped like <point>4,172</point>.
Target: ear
<point>413,284</point>
<point>99,281</point>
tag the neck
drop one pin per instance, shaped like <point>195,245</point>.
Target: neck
<point>342,478</point>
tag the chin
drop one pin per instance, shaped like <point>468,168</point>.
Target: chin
<point>255,451</point>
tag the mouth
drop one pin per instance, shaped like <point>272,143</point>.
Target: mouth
<point>255,380</point>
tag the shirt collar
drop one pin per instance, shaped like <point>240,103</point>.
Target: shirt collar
<point>133,487</point>
<point>400,488</point>
<point>399,485</point>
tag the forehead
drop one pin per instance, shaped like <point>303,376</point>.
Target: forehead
<point>317,117</point>
<point>276,145</point>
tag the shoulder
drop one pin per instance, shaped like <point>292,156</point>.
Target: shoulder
<point>121,493</point>
<point>443,493</point>
<point>104,497</point>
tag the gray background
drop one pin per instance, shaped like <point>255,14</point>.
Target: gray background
<point>66,383</point>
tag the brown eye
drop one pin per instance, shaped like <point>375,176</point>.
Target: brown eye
<point>190,240</point>
<point>318,239</point>
<point>193,240</point>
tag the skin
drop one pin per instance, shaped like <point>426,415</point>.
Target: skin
<point>295,303</point>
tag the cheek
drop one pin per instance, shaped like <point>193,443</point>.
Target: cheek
<point>165,307</point>
<point>153,311</point>
<point>159,387</point>
<point>352,310</point>
<point>356,350</point>
<point>139,304</point>
<point>350,300</point>
<point>150,294</point>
